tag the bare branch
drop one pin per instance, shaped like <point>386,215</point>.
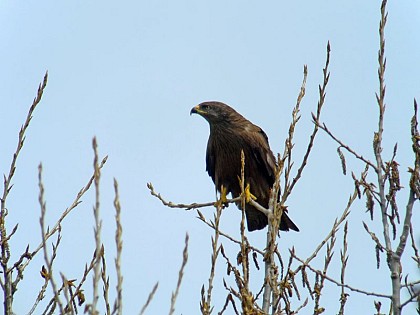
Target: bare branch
<point>287,154</point>
<point>412,195</point>
<point>191,206</point>
<point>379,247</point>
<point>319,272</point>
<point>150,298</point>
<point>48,261</point>
<point>180,275</point>
<point>7,283</point>
<point>320,277</point>
<point>322,94</point>
<point>97,229</point>
<point>212,225</point>
<point>336,224</point>
<point>119,245</point>
<point>205,304</point>
<point>57,225</point>
<point>342,144</point>
<point>416,256</point>
<point>105,281</point>
<point>344,258</point>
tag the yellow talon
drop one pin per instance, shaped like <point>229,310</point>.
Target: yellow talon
<point>223,198</point>
<point>248,195</point>
<point>223,194</point>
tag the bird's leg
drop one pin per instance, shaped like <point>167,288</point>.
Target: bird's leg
<point>223,198</point>
<point>248,195</point>
<point>223,193</point>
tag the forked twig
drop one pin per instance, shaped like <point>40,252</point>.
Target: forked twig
<point>8,285</point>
<point>212,225</point>
<point>57,225</point>
<point>319,272</point>
<point>48,261</point>
<point>336,224</point>
<point>342,144</point>
<point>191,206</point>
<point>321,101</point>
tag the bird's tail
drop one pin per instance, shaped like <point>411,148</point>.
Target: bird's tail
<point>287,224</point>
<point>256,220</point>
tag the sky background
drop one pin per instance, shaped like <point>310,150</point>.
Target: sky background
<point>129,72</point>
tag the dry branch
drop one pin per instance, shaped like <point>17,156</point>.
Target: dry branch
<point>149,298</point>
<point>48,261</point>
<point>119,245</point>
<point>180,275</point>
<point>7,282</point>
<point>66,212</point>
<point>320,273</point>
<point>97,229</point>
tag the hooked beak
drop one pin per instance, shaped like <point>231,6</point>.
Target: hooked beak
<point>196,110</point>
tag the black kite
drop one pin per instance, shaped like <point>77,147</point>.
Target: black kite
<point>230,133</point>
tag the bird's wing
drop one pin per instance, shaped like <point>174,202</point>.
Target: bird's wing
<point>263,155</point>
<point>210,160</point>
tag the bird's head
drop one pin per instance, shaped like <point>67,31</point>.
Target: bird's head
<point>214,112</point>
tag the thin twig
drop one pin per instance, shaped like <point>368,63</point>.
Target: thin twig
<point>205,304</point>
<point>319,272</point>
<point>119,245</point>
<point>57,225</point>
<point>288,149</point>
<point>260,208</point>
<point>322,94</point>
<point>45,274</point>
<point>416,256</point>
<point>191,206</point>
<point>211,225</point>
<point>270,295</point>
<point>393,259</point>
<point>412,195</point>
<point>105,281</point>
<point>180,275</point>
<point>333,230</point>
<point>97,228</point>
<point>243,259</point>
<point>48,261</point>
<point>66,288</point>
<point>7,283</point>
<point>411,284</point>
<point>149,298</point>
<point>301,306</point>
<point>343,145</point>
<point>319,283</point>
<point>373,236</point>
<point>344,258</point>
<point>78,293</point>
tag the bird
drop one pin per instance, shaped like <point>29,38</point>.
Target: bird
<point>230,134</point>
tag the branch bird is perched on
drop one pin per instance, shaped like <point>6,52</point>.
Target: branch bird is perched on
<point>230,133</point>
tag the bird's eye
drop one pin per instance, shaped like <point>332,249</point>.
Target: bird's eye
<point>205,106</point>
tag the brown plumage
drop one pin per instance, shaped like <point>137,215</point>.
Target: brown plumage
<point>230,133</point>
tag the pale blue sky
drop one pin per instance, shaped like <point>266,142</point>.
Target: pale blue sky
<point>129,72</point>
